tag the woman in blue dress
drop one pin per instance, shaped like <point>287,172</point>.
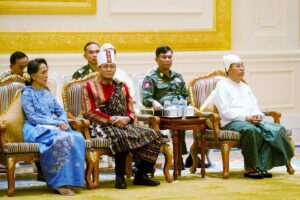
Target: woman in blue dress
<point>62,151</point>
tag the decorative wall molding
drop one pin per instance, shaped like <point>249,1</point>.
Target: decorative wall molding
<point>156,7</point>
<point>48,7</point>
<point>272,17</point>
<point>273,21</point>
<point>218,38</point>
<point>291,121</point>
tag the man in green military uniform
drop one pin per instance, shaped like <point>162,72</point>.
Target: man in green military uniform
<point>18,63</point>
<point>91,50</point>
<point>163,84</point>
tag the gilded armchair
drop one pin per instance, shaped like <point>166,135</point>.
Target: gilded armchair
<point>72,95</point>
<point>200,89</point>
<point>13,147</point>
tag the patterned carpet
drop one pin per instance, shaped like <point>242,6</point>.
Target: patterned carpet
<point>189,186</point>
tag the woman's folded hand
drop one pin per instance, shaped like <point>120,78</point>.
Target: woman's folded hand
<point>63,126</point>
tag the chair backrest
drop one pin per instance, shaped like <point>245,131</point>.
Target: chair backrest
<point>13,118</point>
<point>139,107</point>
<point>52,86</point>
<point>8,88</point>
<point>138,82</point>
<point>201,87</point>
<point>72,95</point>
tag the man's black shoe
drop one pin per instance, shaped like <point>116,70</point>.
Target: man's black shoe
<point>144,180</point>
<point>120,182</point>
<point>189,162</point>
<point>266,174</point>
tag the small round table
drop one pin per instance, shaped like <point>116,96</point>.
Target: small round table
<point>182,123</point>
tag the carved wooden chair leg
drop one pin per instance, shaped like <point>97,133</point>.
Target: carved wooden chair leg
<point>10,172</point>
<point>165,149</point>
<point>129,165</point>
<point>225,149</point>
<point>194,154</point>
<point>289,167</point>
<point>97,156</point>
<point>92,168</point>
<point>90,163</point>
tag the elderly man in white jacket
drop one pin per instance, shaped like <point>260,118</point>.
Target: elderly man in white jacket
<point>264,145</point>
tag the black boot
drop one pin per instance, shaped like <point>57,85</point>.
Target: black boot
<point>141,177</point>
<point>120,182</point>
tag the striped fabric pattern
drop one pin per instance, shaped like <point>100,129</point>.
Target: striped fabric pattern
<point>7,93</point>
<point>100,143</point>
<point>88,144</point>
<point>228,135</point>
<point>75,99</point>
<point>223,135</point>
<point>289,132</point>
<point>74,96</point>
<point>203,87</point>
<point>27,147</point>
<point>21,147</point>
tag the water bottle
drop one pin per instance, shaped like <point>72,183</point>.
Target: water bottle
<point>175,102</point>
<point>181,105</point>
<point>167,104</point>
<point>173,109</point>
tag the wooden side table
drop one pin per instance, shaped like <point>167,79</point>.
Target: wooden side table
<point>177,124</point>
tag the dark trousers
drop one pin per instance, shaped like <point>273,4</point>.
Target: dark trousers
<point>143,167</point>
<point>182,144</point>
<point>120,161</point>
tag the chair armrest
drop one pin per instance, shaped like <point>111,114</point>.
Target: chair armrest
<point>152,120</point>
<point>2,131</point>
<point>81,125</point>
<point>75,124</point>
<point>214,118</point>
<point>70,116</point>
<point>274,114</point>
<point>147,111</point>
<point>2,127</point>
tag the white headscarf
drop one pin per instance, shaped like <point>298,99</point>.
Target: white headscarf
<point>229,59</point>
<point>106,46</point>
<point>106,57</point>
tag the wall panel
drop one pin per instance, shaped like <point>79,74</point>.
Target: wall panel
<point>275,87</point>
